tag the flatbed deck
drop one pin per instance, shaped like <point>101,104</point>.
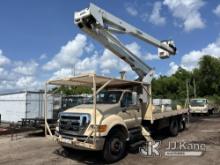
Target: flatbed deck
<point>160,115</point>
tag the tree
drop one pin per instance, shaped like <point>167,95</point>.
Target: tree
<point>208,76</point>
<point>173,87</point>
<point>75,90</point>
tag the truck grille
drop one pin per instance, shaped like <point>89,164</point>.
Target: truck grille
<point>73,124</point>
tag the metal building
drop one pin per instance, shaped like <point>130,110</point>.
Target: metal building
<point>23,105</point>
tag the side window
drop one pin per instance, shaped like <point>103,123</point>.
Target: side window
<point>127,99</point>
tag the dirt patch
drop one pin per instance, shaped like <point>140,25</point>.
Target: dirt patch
<point>35,149</point>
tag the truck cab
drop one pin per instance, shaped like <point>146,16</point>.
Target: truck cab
<point>117,113</point>
<point>113,106</point>
<point>200,106</point>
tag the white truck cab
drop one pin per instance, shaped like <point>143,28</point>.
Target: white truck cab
<point>200,106</point>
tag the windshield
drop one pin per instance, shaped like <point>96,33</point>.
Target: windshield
<point>107,97</point>
<point>197,102</point>
<point>71,101</point>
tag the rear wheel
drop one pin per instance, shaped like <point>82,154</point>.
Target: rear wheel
<point>115,146</point>
<point>211,111</point>
<point>173,127</point>
<point>182,125</point>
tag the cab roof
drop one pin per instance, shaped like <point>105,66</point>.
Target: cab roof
<point>87,80</point>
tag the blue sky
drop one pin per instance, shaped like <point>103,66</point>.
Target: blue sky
<point>39,41</point>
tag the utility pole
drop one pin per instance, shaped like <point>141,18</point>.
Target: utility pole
<point>194,87</point>
<point>74,70</point>
<point>187,94</point>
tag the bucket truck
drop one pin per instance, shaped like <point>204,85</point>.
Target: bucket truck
<point>120,113</point>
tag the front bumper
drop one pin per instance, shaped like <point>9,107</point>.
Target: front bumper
<point>198,111</point>
<point>79,142</point>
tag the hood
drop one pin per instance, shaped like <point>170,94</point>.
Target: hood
<point>89,107</point>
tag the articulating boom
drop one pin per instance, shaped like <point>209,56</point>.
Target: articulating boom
<point>101,25</point>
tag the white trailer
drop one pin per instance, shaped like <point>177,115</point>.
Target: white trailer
<point>24,105</point>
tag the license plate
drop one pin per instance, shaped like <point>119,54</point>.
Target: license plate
<point>66,141</point>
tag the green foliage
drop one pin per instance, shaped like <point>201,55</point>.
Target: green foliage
<point>72,90</point>
<point>208,75</point>
<point>173,87</point>
<point>207,78</point>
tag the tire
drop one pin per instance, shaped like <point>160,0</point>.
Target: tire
<point>174,127</point>
<point>211,112</point>
<point>67,149</point>
<point>182,125</point>
<point>115,146</point>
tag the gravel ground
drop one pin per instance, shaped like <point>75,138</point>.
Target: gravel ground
<point>35,149</point>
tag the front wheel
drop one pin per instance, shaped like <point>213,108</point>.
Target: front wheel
<point>115,146</point>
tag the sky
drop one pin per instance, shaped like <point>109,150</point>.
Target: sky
<point>39,41</point>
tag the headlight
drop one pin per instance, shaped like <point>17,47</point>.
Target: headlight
<point>57,125</point>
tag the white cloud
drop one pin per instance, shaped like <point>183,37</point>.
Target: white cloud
<point>43,56</point>
<point>150,57</point>
<point>173,68</point>
<point>19,75</point>
<point>64,72</point>
<point>18,83</point>
<point>155,16</point>
<point>3,59</point>
<point>157,75</point>
<point>88,64</point>
<point>26,82</point>
<point>28,68</point>
<point>68,54</point>
<point>134,48</point>
<point>131,10</point>
<point>188,12</point>
<point>89,48</point>
<point>217,10</point>
<point>190,60</point>
<point>78,54</point>
<point>3,74</point>
<point>109,61</point>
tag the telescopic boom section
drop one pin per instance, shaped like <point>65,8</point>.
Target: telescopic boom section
<point>102,25</point>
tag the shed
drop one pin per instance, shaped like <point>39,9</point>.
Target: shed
<point>25,104</point>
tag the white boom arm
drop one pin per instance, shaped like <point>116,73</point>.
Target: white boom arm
<point>101,25</point>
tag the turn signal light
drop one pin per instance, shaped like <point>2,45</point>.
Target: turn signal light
<point>102,128</point>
